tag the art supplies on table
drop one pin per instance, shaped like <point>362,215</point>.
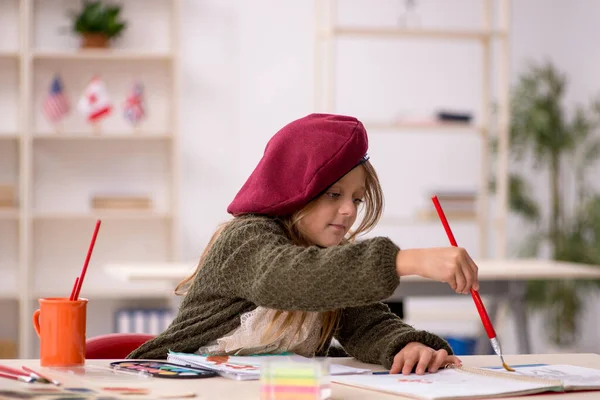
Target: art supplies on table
<point>161,369</point>
<point>93,374</point>
<point>300,379</point>
<point>245,367</point>
<point>467,382</point>
<point>25,374</point>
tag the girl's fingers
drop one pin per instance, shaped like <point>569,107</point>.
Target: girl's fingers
<point>475,270</point>
<point>424,360</point>
<point>397,364</point>
<point>409,363</point>
<point>460,281</point>
<point>468,274</point>
<point>454,360</point>
<point>437,360</point>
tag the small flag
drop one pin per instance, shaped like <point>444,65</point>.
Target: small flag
<point>56,105</point>
<point>134,104</point>
<point>94,102</point>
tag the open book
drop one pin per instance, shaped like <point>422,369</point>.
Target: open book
<point>479,383</point>
<point>245,367</point>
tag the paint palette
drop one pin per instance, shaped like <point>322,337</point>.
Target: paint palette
<point>161,369</point>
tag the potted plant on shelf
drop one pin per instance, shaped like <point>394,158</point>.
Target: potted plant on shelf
<point>97,23</point>
<point>563,149</point>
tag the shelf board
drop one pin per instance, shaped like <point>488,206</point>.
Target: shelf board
<point>103,136</point>
<point>8,292</point>
<point>111,289</point>
<point>9,136</point>
<point>8,54</point>
<point>417,33</point>
<point>424,218</point>
<point>103,215</point>
<point>101,54</point>
<point>426,127</point>
<point>9,213</point>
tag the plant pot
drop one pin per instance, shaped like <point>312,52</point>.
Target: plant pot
<point>94,41</point>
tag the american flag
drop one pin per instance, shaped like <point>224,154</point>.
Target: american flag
<point>134,104</point>
<point>56,105</point>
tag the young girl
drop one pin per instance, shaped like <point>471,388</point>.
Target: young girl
<point>286,273</point>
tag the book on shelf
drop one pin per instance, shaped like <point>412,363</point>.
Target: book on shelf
<point>479,383</point>
<point>450,213</point>
<point>121,202</point>
<point>454,116</point>
<point>7,196</point>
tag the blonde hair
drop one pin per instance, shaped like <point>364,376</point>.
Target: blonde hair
<point>372,210</point>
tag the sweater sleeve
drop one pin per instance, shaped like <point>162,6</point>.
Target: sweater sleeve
<point>374,335</point>
<point>256,261</point>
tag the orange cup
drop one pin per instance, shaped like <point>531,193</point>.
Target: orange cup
<point>60,324</point>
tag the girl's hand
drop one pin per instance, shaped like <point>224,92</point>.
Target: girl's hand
<point>423,357</point>
<point>452,265</point>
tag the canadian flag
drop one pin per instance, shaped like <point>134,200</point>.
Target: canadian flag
<point>94,102</point>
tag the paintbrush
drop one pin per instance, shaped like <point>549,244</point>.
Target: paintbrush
<point>21,378</point>
<point>485,319</point>
<point>41,377</point>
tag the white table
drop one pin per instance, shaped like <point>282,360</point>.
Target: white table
<point>502,280</point>
<point>224,389</point>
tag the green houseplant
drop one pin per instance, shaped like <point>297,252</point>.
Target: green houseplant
<point>563,147</point>
<point>97,23</point>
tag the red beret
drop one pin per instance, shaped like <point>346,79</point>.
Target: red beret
<point>300,161</point>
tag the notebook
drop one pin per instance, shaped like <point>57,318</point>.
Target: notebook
<point>246,367</point>
<point>479,383</point>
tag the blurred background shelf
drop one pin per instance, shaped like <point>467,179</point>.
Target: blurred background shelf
<point>116,136</point>
<point>103,215</point>
<point>439,34</point>
<point>9,136</point>
<point>60,170</point>
<point>9,214</point>
<point>9,55</point>
<point>101,54</point>
<point>450,51</point>
<point>411,127</point>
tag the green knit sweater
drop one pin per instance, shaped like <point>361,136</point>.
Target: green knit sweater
<point>253,263</point>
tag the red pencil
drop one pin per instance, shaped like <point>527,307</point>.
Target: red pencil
<point>79,283</point>
<point>485,319</point>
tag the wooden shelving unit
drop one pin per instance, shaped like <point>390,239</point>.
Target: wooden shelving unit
<point>123,136</point>
<point>55,173</point>
<point>403,33</point>
<point>329,30</point>
<point>108,54</point>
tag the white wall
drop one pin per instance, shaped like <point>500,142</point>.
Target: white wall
<point>247,70</point>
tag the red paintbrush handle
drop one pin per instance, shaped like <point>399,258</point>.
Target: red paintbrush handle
<point>485,319</point>
<point>14,371</point>
<point>9,376</point>
<point>445,223</point>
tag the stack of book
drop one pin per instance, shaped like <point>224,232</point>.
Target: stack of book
<point>7,196</point>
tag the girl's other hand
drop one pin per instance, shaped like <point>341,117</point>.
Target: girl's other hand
<point>422,357</point>
<point>452,265</point>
